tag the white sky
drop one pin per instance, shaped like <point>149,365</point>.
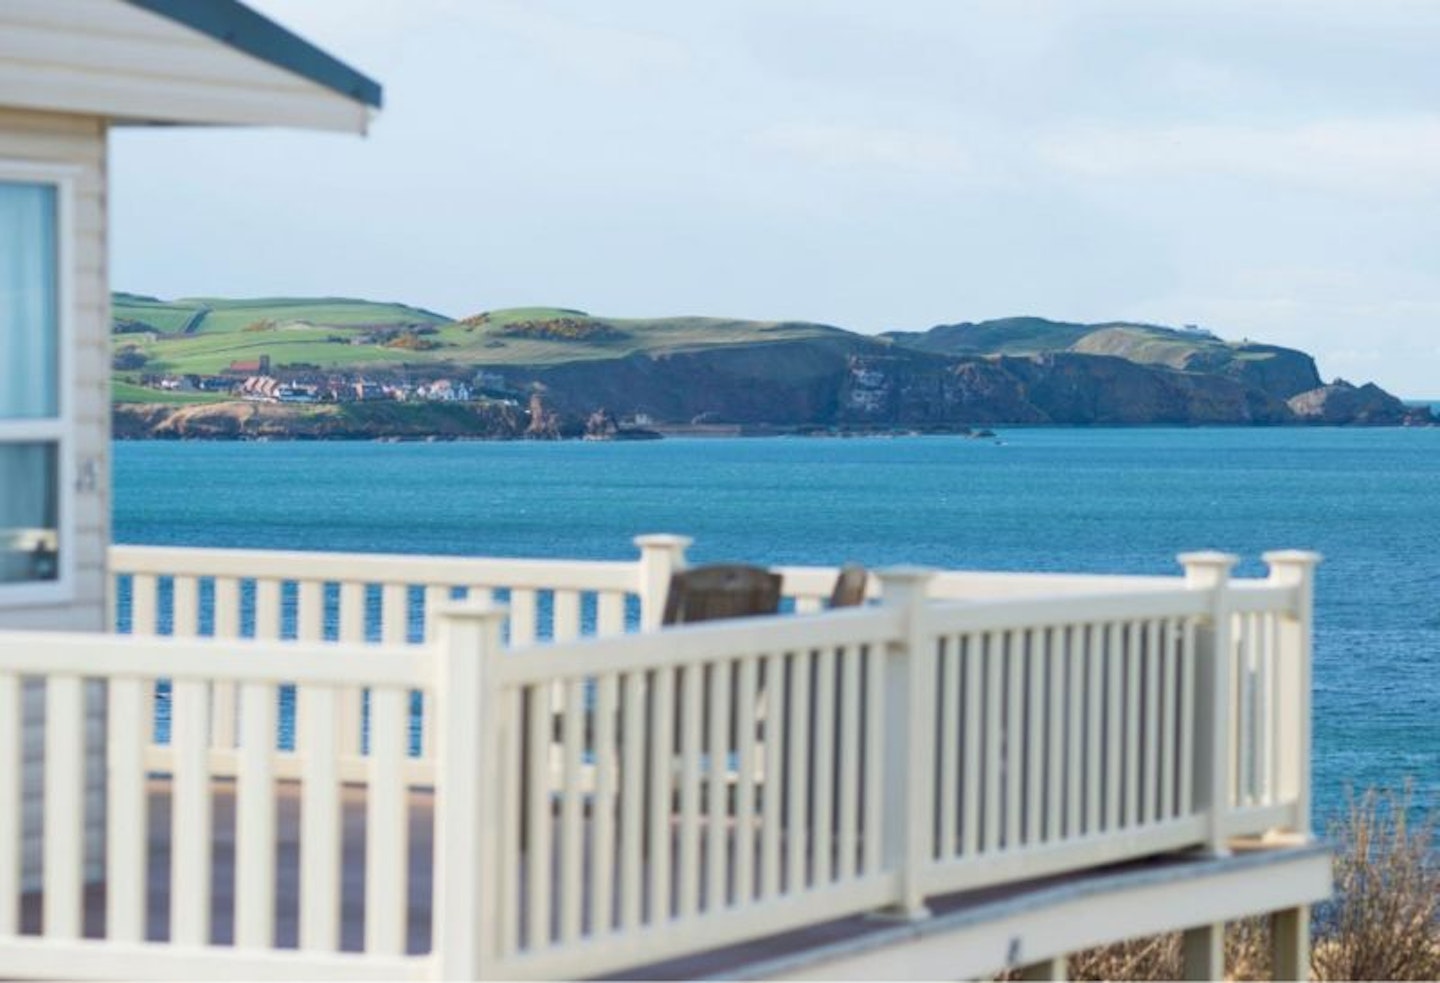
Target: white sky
<point>1266,168</point>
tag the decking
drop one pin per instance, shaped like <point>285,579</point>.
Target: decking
<point>970,757</point>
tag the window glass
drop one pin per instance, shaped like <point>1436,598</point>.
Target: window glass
<point>29,527</point>
<point>29,326</point>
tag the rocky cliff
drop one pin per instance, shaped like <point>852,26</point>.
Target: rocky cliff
<point>582,375</point>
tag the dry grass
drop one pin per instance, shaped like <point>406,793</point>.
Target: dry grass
<point>1383,923</point>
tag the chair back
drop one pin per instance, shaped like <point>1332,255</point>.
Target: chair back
<point>849,589</point>
<point>721,590</point>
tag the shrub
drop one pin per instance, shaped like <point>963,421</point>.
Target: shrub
<point>1383,922</point>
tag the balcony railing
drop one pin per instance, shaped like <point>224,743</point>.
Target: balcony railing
<point>607,797</point>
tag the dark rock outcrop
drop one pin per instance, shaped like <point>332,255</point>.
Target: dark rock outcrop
<point>1340,403</point>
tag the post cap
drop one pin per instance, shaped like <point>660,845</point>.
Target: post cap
<point>663,540</point>
<point>906,575</point>
<point>1206,567</point>
<point>1298,558</point>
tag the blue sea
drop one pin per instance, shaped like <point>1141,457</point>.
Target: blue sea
<point>1108,501</point>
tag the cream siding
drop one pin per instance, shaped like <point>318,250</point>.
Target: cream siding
<point>76,142</point>
<point>126,63</point>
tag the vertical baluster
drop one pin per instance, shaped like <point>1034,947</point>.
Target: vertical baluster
<point>125,809</point>
<point>352,698</point>
<point>320,829</point>
<point>1239,749</point>
<point>538,843</point>
<point>746,696</point>
<point>770,803</point>
<point>717,867</point>
<point>847,828</point>
<point>970,653</point>
<point>572,859</point>
<point>1036,684</point>
<point>875,725</point>
<point>1115,677</point>
<point>64,797</point>
<point>797,775</point>
<point>567,615</point>
<point>1094,715</point>
<point>994,736</point>
<point>602,850</point>
<point>387,812</point>
<point>255,819</point>
<point>691,680</point>
<point>662,783</point>
<point>268,600</point>
<point>1075,655</point>
<point>394,614</point>
<point>632,819</point>
<point>223,692</point>
<point>1015,737</point>
<point>12,771</point>
<point>1133,645</point>
<point>1271,726</point>
<point>436,596</point>
<point>1169,671</point>
<point>1057,681</point>
<point>949,750</point>
<point>190,824</point>
<point>524,613</point>
<point>144,610</point>
<point>1151,787</point>
<point>823,755</point>
<point>609,613</point>
<point>509,705</point>
<point>1185,780</point>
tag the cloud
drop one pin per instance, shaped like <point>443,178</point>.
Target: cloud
<point>871,147</point>
<point>1391,157</point>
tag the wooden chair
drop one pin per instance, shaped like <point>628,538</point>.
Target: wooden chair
<point>721,590</point>
<point>849,591</point>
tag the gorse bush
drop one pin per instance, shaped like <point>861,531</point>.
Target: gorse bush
<point>1382,923</point>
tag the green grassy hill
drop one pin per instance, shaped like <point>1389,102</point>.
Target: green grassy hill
<point>204,335</point>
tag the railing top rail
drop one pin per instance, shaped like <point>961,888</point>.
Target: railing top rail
<point>452,571</point>
<point>959,617</point>
<point>688,644</point>
<point>996,614</point>
<point>983,585</point>
<point>228,660</point>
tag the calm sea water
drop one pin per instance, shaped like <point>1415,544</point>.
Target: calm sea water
<point>1112,501</point>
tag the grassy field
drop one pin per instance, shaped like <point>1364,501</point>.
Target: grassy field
<point>123,391</point>
<point>339,334</point>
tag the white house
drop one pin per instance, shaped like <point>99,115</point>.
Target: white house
<point>69,71</point>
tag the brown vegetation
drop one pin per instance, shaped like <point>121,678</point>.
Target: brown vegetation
<point>563,329</point>
<point>1382,924</point>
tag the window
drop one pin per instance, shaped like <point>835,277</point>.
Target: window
<point>35,505</point>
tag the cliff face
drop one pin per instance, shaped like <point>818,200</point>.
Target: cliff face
<point>1342,403</point>
<point>354,421</point>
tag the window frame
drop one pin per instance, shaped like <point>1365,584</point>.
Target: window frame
<point>59,430</point>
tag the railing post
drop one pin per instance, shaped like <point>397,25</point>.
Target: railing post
<point>1294,569</point>
<point>468,753</point>
<point>909,760</point>
<point>1214,712</point>
<point>661,554</point>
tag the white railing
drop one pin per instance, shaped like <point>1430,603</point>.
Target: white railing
<point>609,801</point>
<point>358,598</point>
